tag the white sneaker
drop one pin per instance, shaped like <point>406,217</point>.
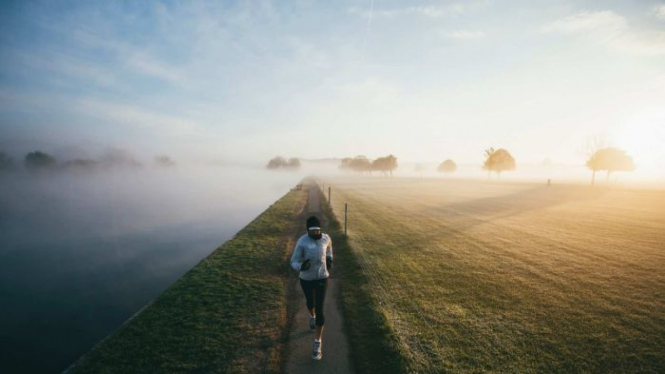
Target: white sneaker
<point>312,322</point>
<point>316,352</point>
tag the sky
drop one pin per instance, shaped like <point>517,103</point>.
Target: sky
<point>240,81</point>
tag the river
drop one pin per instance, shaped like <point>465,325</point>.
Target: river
<point>82,252</point>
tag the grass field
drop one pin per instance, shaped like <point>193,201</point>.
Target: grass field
<point>227,315</point>
<point>480,276</point>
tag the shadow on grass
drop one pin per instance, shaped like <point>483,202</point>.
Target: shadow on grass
<point>467,214</point>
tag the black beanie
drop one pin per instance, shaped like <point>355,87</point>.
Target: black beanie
<point>313,222</point>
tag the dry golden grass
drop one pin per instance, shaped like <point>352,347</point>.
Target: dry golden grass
<point>477,276</point>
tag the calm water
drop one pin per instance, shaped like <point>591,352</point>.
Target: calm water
<point>79,254</point>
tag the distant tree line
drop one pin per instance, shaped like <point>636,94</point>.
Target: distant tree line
<point>41,161</point>
<point>600,158</point>
<point>361,164</point>
<point>280,162</point>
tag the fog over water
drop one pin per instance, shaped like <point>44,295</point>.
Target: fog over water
<point>82,252</point>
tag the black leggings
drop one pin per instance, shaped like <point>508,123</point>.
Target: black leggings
<point>315,293</point>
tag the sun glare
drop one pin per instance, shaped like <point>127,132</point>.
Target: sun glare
<point>643,141</point>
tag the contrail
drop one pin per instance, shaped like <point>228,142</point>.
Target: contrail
<point>369,21</point>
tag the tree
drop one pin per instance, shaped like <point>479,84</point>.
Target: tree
<point>293,163</point>
<point>280,162</point>
<point>39,160</point>
<point>609,159</point>
<point>385,164</point>
<point>447,166</point>
<point>498,160</point>
<point>358,164</point>
<point>594,143</point>
<point>276,163</point>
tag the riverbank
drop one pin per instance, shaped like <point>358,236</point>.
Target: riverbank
<point>226,315</point>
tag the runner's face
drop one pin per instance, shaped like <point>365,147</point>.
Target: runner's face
<point>314,233</point>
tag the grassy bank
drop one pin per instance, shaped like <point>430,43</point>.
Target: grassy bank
<point>226,315</point>
<point>472,276</point>
<point>372,346</point>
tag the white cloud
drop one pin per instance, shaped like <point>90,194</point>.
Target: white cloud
<point>648,43</point>
<point>430,11</point>
<point>135,59</point>
<point>88,71</point>
<point>603,22</point>
<point>309,54</point>
<point>60,63</point>
<point>147,65</point>
<point>438,11</point>
<point>465,34</point>
<point>659,12</point>
<point>609,29</point>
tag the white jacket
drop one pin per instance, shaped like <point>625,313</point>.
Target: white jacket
<point>314,250</point>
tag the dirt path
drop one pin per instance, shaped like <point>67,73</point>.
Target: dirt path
<point>334,344</point>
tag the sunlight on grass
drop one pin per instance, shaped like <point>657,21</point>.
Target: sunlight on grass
<point>509,277</point>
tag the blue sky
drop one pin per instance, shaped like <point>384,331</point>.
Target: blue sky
<point>237,81</point>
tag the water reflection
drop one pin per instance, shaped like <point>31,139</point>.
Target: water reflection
<point>80,253</point>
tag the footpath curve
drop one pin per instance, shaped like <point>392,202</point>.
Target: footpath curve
<point>334,342</point>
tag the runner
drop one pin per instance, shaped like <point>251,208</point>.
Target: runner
<point>312,256</point>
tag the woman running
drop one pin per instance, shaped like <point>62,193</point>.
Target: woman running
<point>312,256</point>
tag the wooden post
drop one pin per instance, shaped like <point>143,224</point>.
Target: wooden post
<point>328,195</point>
<point>345,211</point>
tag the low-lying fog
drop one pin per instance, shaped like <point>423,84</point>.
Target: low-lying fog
<point>81,252</point>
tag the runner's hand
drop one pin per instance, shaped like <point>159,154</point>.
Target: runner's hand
<point>305,265</point>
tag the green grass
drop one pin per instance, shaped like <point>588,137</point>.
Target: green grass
<point>469,276</point>
<point>373,348</point>
<point>227,315</point>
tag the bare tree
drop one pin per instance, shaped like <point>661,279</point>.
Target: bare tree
<point>593,144</point>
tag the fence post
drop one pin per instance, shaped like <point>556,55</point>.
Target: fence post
<point>328,195</point>
<point>345,211</point>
